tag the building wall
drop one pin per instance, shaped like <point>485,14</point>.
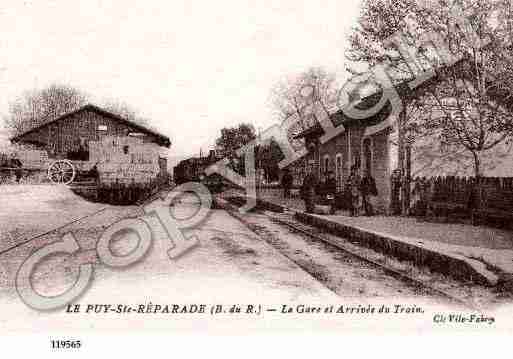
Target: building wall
<point>328,152</point>
<point>163,166</point>
<point>349,147</point>
<point>356,138</point>
<point>381,170</point>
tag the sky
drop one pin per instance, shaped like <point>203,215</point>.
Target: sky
<point>191,67</point>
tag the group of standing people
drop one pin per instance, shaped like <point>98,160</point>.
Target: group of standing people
<point>360,190</point>
<point>358,193</point>
<point>308,191</point>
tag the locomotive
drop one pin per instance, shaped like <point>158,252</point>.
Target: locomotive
<point>193,170</point>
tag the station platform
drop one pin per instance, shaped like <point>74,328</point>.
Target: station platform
<point>477,253</point>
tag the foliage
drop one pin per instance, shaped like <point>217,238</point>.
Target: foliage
<point>294,95</point>
<point>232,139</point>
<point>268,158</point>
<point>37,107</point>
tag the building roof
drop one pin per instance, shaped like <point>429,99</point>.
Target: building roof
<point>405,92</point>
<point>340,117</point>
<point>163,140</point>
<point>313,131</point>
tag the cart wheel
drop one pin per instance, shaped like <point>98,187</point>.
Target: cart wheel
<point>61,172</point>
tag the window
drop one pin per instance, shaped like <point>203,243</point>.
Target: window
<point>326,164</point>
<point>102,127</point>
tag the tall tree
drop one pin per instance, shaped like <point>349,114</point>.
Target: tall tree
<point>295,94</point>
<point>36,107</point>
<point>232,139</point>
<point>465,45</point>
<point>268,158</point>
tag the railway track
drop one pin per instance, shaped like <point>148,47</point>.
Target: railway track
<point>140,204</point>
<point>288,221</point>
<point>53,230</point>
<point>393,272</point>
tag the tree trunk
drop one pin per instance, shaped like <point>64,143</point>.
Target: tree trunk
<point>477,164</point>
<point>477,194</point>
<point>407,180</point>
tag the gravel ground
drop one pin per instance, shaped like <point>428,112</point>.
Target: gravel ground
<point>351,277</point>
<point>230,266</point>
<point>347,276</point>
<point>28,210</point>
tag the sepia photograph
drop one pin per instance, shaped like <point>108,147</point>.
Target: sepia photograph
<point>243,168</point>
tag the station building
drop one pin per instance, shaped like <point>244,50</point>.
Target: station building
<point>365,144</point>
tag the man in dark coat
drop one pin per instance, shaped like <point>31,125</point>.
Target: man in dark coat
<point>329,190</point>
<point>330,186</point>
<point>286,182</point>
<point>368,188</point>
<point>395,184</point>
<point>308,190</point>
<point>16,163</point>
<point>353,192</point>
<point>94,173</point>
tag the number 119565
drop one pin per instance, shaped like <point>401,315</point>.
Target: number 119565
<point>65,344</point>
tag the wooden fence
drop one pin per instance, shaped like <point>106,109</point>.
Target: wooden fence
<point>467,193</point>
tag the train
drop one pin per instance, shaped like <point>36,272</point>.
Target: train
<point>193,170</point>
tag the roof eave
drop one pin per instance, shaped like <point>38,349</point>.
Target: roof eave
<point>162,140</point>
